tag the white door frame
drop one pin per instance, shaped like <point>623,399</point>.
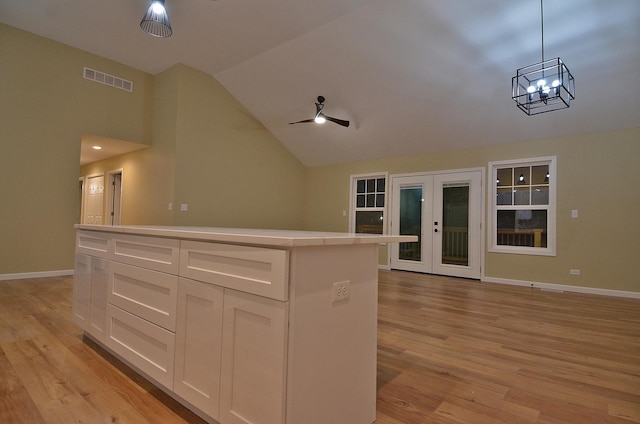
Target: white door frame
<point>427,226</point>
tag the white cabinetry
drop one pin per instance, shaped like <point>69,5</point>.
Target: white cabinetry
<point>198,347</point>
<point>239,325</point>
<point>254,354</point>
<point>81,291</point>
<point>90,288</point>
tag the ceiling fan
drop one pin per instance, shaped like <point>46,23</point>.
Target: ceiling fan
<point>320,117</point>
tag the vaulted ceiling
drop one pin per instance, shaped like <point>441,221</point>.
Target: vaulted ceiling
<point>411,76</point>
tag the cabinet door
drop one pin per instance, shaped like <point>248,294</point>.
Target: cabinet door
<point>81,290</point>
<point>254,341</point>
<point>98,301</point>
<point>198,345</point>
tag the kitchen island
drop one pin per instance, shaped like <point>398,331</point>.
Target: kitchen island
<point>240,325</point>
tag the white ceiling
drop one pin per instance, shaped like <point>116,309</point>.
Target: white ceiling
<point>412,76</point>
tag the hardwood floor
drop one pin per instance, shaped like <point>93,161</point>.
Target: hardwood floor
<point>450,351</point>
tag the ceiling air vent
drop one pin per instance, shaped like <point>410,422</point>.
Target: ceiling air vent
<point>102,78</point>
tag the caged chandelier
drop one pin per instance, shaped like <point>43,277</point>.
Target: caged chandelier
<point>545,86</point>
<point>156,21</point>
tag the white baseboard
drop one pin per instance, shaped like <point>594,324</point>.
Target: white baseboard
<point>42,274</point>
<point>562,287</point>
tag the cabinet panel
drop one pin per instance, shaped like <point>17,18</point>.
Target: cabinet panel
<point>254,355</point>
<point>198,345</point>
<point>92,243</point>
<point>148,294</point>
<point>146,346</point>
<point>249,269</point>
<point>149,252</point>
<point>98,303</point>
<point>81,290</point>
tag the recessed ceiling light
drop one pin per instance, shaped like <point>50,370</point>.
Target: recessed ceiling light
<point>97,148</point>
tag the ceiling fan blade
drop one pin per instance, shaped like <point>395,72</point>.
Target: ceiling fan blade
<point>337,121</point>
<point>302,122</point>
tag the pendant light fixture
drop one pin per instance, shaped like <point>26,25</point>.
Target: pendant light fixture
<point>155,21</point>
<point>545,86</point>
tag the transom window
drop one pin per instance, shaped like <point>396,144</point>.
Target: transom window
<point>368,203</point>
<point>523,206</point>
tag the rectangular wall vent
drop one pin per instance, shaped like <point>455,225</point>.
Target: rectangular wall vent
<point>102,78</point>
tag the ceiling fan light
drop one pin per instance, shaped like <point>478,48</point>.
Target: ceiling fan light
<point>156,21</point>
<point>320,119</point>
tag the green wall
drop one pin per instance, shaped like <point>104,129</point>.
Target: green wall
<point>596,176</point>
<point>206,150</point>
<point>45,107</point>
<point>200,135</point>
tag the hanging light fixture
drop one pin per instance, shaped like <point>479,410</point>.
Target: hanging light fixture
<point>156,21</point>
<point>545,86</point>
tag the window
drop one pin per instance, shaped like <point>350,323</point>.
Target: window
<point>523,215</point>
<point>368,199</point>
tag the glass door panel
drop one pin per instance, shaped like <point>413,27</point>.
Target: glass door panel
<point>455,225</point>
<point>411,223</point>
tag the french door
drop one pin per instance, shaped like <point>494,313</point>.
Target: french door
<point>445,211</point>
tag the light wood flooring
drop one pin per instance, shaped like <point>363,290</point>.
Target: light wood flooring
<point>450,351</point>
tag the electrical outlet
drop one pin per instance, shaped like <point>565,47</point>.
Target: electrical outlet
<point>340,291</point>
<point>184,207</point>
<point>574,271</point>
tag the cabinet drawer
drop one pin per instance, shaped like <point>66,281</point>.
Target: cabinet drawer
<point>92,243</point>
<point>146,346</point>
<point>148,294</point>
<point>148,252</point>
<point>255,270</point>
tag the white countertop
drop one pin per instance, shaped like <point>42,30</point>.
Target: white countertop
<point>282,238</point>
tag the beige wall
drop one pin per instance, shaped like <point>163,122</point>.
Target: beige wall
<point>45,107</point>
<point>229,169</point>
<point>208,151</point>
<point>200,136</point>
<point>596,176</point>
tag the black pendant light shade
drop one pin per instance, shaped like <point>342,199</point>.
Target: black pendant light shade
<point>155,21</point>
<point>544,86</point>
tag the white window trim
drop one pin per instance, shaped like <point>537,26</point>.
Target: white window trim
<point>493,247</point>
<point>352,198</point>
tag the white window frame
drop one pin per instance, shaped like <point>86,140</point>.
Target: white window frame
<point>353,199</point>
<point>550,250</point>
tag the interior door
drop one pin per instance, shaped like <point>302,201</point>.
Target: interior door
<point>93,203</point>
<point>444,211</point>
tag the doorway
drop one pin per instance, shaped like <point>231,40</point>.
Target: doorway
<point>114,197</point>
<point>444,211</point>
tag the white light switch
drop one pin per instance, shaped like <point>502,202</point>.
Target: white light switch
<point>574,213</point>
<point>184,207</point>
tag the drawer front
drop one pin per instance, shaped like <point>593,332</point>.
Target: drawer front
<point>92,243</point>
<point>148,252</point>
<point>148,294</point>
<point>255,270</point>
<point>144,345</point>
